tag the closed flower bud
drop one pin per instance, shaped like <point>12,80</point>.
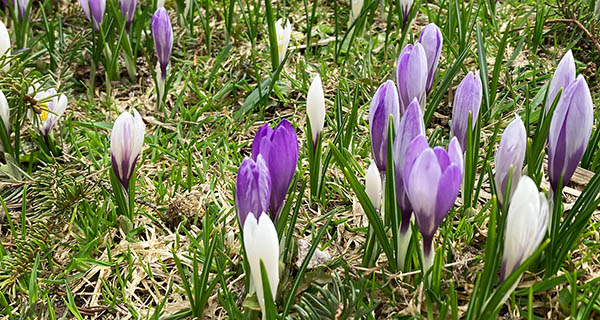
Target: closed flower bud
<point>356,8</point>
<point>411,75</point>
<point>22,8</point>
<point>526,224</point>
<point>261,244</point>
<point>4,47</point>
<point>279,148</point>
<point>564,74</point>
<point>126,142</point>
<point>283,37</point>
<point>432,179</point>
<point>431,39</point>
<point>373,185</point>
<point>163,39</point>
<point>4,113</point>
<point>252,188</point>
<point>384,104</point>
<point>128,12</point>
<point>570,131</point>
<point>96,8</point>
<point>315,107</point>
<point>411,126</point>
<point>510,153</point>
<point>406,6</point>
<point>467,99</point>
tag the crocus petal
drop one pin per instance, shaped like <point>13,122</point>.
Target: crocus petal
<point>564,74</point>
<point>526,224</point>
<point>423,183</point>
<point>373,185</point>
<point>85,5</point>
<point>252,188</point>
<point>261,244</point>
<point>384,104</point>
<point>570,131</point>
<point>356,8</point>
<point>455,153</point>
<point>405,5</point>
<point>4,112</point>
<point>511,152</point>
<point>447,191</point>
<point>414,150</point>
<point>411,75</point>
<point>97,7</point>
<point>315,107</point>
<point>162,32</point>
<point>283,37</point>
<point>431,39</point>
<point>411,126</point>
<point>466,100</point>
<point>4,45</point>
<point>128,11</point>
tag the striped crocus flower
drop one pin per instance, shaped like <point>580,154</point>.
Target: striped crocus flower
<point>126,142</point>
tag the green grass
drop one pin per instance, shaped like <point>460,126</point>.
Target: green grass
<point>63,254</point>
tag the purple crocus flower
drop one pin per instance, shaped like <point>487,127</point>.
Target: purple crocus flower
<point>128,12</point>
<point>564,74</point>
<point>22,8</point>
<point>252,188</point>
<point>411,126</point>
<point>406,6</point>
<point>279,148</point>
<point>163,38</point>
<point>97,7</point>
<point>511,153</point>
<point>466,100</point>
<point>126,142</point>
<point>570,131</point>
<point>411,75</point>
<point>432,179</point>
<point>384,104</point>
<point>431,39</point>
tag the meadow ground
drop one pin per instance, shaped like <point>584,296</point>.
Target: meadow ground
<point>66,252</point>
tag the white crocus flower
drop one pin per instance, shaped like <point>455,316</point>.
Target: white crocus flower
<point>52,106</point>
<point>373,185</point>
<point>283,37</point>
<point>261,243</point>
<point>126,142</point>
<point>315,107</point>
<point>4,44</point>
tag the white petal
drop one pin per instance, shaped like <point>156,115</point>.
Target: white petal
<point>373,185</point>
<point>4,44</point>
<point>4,111</point>
<point>261,243</point>
<point>315,106</point>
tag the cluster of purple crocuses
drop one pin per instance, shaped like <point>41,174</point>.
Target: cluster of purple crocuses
<point>427,179</point>
<point>262,184</point>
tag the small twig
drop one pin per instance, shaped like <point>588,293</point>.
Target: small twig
<point>573,21</point>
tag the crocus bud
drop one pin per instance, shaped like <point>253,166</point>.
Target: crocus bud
<point>97,8</point>
<point>526,224</point>
<point>570,131</point>
<point>4,112</point>
<point>252,188</point>
<point>510,153</point>
<point>356,8</point>
<point>431,39</point>
<point>21,6</point>
<point>4,46</point>
<point>279,148</point>
<point>126,141</point>
<point>373,185</point>
<point>467,99</point>
<point>315,107</point>
<point>406,5</point>
<point>384,104</point>
<point>261,244</point>
<point>564,74</point>
<point>283,37</point>
<point>432,179</point>
<point>411,75</point>
<point>163,39</point>
<point>128,12</point>
<point>411,126</point>
<point>52,106</point>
